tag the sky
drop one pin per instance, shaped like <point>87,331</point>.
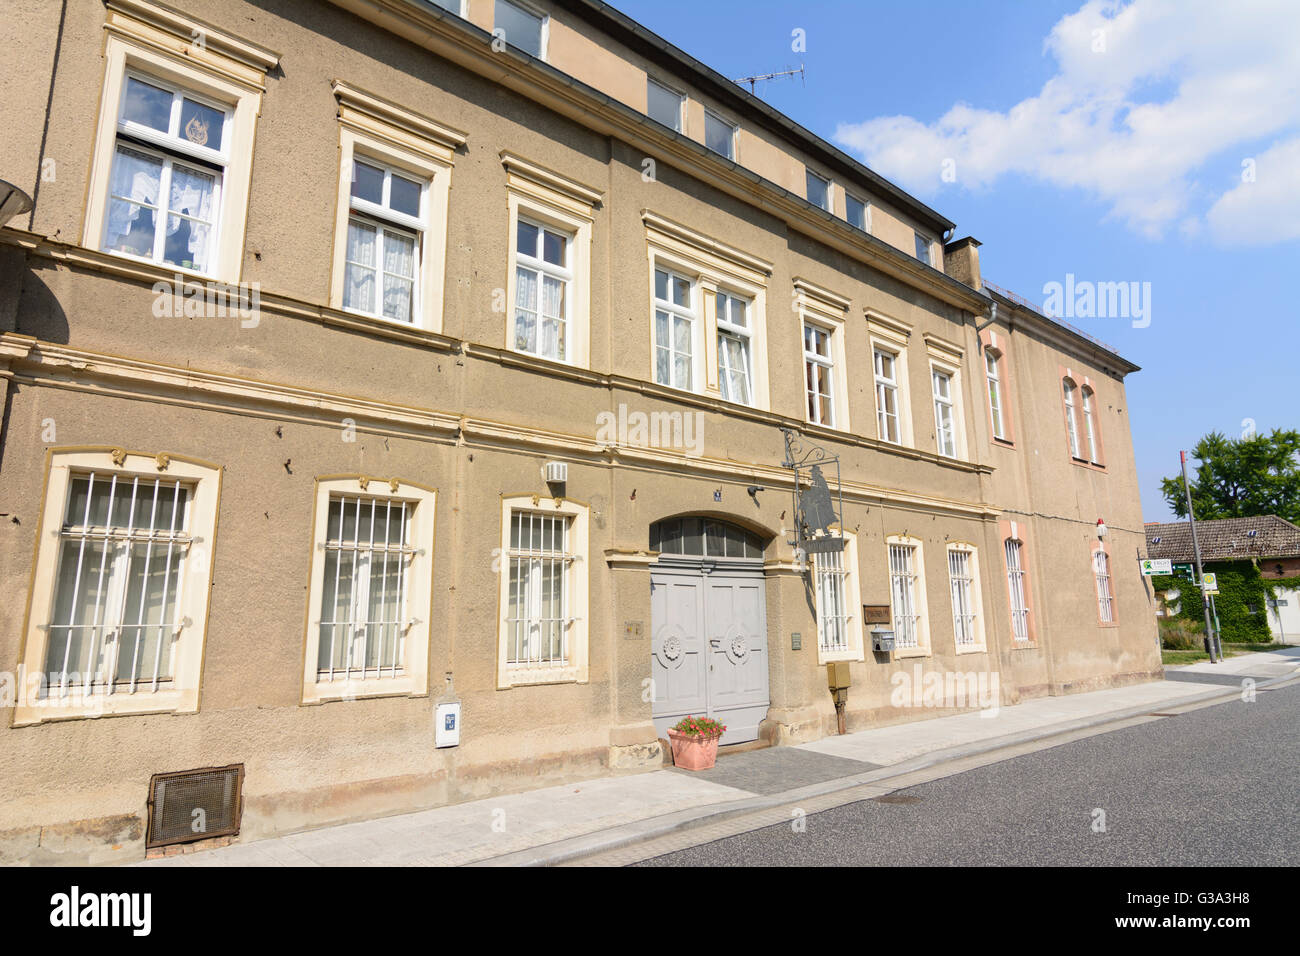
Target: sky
<point>1154,142</point>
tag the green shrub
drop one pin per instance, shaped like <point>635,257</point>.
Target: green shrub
<point>1177,634</point>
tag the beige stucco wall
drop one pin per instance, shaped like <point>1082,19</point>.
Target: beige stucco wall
<point>76,789</point>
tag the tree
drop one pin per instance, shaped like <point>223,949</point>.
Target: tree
<point>1241,477</point>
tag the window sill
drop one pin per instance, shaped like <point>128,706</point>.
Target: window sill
<point>1004,442</point>
<point>902,653</point>
<point>1023,645</point>
<point>852,654</point>
<point>323,693</point>
<point>187,273</point>
<point>137,705</point>
<point>540,676</point>
<point>972,649</point>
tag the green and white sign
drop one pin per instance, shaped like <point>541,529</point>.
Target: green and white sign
<point>1210,583</point>
<point>1154,566</point>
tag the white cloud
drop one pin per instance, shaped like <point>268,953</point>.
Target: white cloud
<point>1145,94</point>
<point>1265,206</point>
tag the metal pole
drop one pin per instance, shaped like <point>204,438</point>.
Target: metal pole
<point>1200,575</point>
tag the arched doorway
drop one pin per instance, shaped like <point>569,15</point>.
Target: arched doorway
<point>708,619</point>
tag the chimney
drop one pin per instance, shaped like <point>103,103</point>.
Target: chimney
<point>961,260</point>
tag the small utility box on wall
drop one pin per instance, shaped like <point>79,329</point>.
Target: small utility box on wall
<point>882,640</point>
<point>447,725</point>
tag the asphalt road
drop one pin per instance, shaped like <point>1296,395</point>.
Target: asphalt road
<point>1216,786</point>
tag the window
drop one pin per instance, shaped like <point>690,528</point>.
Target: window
<point>945,428</point>
<point>922,248</point>
<point>169,167</point>
<point>664,105</point>
<point>452,6</point>
<point>963,581</point>
<point>173,154</point>
<point>542,280</point>
<point>1105,603</point>
<point>887,412</point>
<point>391,221</point>
<point>702,537</point>
<point>543,634</point>
<point>1019,590</point>
<point>734,334</point>
<point>548,278</point>
<point>370,591</point>
<point>120,585</point>
<point>521,27</point>
<point>839,633</point>
<point>1089,429</point>
<point>818,371</point>
<point>719,135</point>
<point>1071,424</point>
<point>819,190</point>
<point>857,212</point>
<point>385,238</point>
<point>907,596</point>
<point>991,358</point>
<point>674,308</point>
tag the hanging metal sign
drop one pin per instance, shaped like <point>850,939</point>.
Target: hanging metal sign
<point>818,504</point>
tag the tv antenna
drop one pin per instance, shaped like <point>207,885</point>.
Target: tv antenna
<point>753,80</point>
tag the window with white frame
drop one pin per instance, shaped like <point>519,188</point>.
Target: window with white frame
<point>734,336</point>
<point>1071,421</point>
<point>993,374</point>
<point>385,237</point>
<point>1089,428</point>
<point>1018,589</point>
<point>818,190</point>
<point>906,595</point>
<point>834,614</point>
<point>923,248</point>
<point>363,619</point>
<point>1105,601</point>
<point>370,592</point>
<point>543,276</point>
<point>719,135</point>
<point>945,425</point>
<point>819,368</point>
<point>857,212</point>
<point>522,27</point>
<point>169,168</point>
<point>888,423</point>
<point>664,104</point>
<point>964,588</point>
<point>120,585</point>
<point>675,318</point>
<point>543,635</point>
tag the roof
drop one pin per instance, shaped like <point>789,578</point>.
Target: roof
<point>1225,539</point>
<point>655,48</point>
<point>1007,297</point>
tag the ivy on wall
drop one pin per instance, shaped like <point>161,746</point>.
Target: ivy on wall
<point>1241,602</point>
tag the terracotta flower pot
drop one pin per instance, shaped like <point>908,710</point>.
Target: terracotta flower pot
<point>693,752</point>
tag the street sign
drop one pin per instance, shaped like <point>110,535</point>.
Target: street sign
<point>1210,583</point>
<point>1183,570</point>
<point>1154,566</point>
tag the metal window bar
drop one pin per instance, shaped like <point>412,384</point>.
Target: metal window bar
<point>963,605</point>
<point>538,615</point>
<point>356,634</point>
<point>126,554</point>
<point>903,579</point>
<point>1105,604</point>
<point>1016,583</point>
<point>833,619</point>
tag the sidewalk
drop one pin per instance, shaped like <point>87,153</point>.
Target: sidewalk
<point>563,822</point>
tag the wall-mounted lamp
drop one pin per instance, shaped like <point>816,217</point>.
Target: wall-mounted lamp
<point>1101,529</point>
<point>13,202</point>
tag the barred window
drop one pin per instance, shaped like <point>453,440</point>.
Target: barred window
<point>833,615</point>
<point>122,553</point>
<point>1016,583</point>
<point>903,592</point>
<point>363,619</point>
<point>1105,603</point>
<point>962,582</point>
<point>537,618</point>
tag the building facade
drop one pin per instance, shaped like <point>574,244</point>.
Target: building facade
<point>363,356</point>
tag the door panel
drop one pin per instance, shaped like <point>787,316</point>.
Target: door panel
<point>709,649</point>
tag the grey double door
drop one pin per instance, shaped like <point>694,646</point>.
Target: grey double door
<point>709,647</point>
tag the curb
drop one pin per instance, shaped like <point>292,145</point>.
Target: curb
<point>601,841</point>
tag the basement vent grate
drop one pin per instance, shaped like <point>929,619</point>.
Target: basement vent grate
<point>195,805</point>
